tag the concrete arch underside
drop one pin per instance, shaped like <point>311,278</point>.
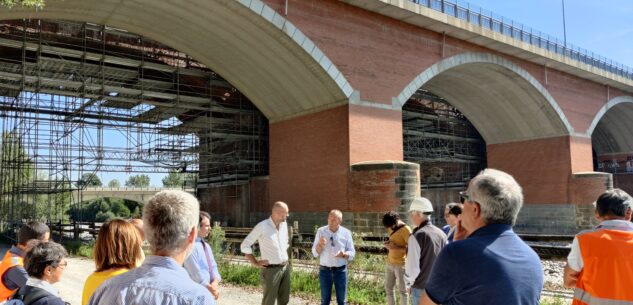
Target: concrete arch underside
<point>612,128</point>
<point>503,101</point>
<point>257,50</point>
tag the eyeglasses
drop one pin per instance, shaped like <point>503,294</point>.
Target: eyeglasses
<point>62,265</point>
<point>332,240</point>
<point>463,197</point>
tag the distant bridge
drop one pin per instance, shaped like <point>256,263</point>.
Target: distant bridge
<point>129,193</point>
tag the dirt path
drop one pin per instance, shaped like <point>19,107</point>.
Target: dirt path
<point>71,287</point>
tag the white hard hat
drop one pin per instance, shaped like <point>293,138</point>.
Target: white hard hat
<point>421,204</point>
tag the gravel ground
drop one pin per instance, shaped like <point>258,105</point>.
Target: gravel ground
<point>71,287</point>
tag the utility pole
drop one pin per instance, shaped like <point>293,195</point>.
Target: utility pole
<point>564,25</point>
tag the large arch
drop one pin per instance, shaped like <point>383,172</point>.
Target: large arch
<point>503,101</point>
<point>254,48</point>
<point>611,130</point>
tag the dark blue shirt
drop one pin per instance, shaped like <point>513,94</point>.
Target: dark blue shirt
<point>493,266</point>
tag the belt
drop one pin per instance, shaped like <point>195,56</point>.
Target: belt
<point>277,265</point>
<point>333,268</point>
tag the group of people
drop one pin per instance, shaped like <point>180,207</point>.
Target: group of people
<point>180,271</point>
<point>476,259</point>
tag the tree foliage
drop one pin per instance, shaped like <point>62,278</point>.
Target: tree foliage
<point>138,181</point>
<point>37,4</point>
<point>89,180</point>
<point>103,209</point>
<point>114,183</point>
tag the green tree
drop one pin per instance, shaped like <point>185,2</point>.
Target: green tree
<point>137,181</point>
<point>114,183</point>
<point>173,179</point>
<point>89,180</point>
<point>23,3</point>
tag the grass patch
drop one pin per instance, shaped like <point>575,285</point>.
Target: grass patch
<point>306,284</point>
<point>554,301</point>
<point>78,248</point>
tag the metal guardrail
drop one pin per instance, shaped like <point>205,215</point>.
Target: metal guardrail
<point>487,19</point>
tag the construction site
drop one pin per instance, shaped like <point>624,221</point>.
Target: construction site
<point>80,98</point>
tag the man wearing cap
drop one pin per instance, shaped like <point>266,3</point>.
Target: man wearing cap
<point>425,243</point>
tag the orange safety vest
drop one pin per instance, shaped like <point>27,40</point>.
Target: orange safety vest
<point>607,275</point>
<point>9,261</point>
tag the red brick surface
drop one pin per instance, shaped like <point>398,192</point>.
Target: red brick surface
<point>373,191</point>
<point>542,167</point>
<point>375,134</point>
<point>309,160</point>
<point>379,56</point>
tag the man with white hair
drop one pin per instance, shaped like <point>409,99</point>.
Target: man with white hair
<point>334,247</point>
<point>272,236</point>
<point>171,227</point>
<point>424,244</point>
<point>488,263</point>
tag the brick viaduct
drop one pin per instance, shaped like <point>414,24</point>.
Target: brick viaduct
<point>332,77</point>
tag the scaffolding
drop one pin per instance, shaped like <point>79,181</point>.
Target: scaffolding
<point>80,98</point>
<point>437,136</point>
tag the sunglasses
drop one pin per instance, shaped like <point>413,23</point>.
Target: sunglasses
<point>463,197</point>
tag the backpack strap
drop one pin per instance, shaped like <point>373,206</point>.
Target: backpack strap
<point>29,295</point>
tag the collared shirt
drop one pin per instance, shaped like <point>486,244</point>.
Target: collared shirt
<point>341,240</point>
<point>197,265</point>
<point>34,282</point>
<point>160,280</point>
<point>574,260</point>
<point>492,266</point>
<point>273,243</point>
<point>15,277</point>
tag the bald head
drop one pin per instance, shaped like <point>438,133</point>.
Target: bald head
<point>280,212</point>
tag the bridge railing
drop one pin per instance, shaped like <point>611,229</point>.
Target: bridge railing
<point>487,19</point>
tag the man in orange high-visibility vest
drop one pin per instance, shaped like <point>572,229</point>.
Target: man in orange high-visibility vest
<point>12,273</point>
<point>600,264</point>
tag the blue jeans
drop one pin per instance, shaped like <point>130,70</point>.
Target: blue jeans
<point>415,295</point>
<point>333,276</point>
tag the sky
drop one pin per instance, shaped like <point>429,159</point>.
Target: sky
<point>604,27</point>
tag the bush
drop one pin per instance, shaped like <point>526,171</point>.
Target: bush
<point>216,240</point>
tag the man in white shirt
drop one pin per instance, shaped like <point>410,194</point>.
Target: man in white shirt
<point>272,236</point>
<point>334,247</point>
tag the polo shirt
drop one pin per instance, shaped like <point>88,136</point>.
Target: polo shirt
<point>492,266</point>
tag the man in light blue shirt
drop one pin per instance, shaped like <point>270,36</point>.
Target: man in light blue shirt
<point>201,264</point>
<point>171,227</point>
<point>334,247</point>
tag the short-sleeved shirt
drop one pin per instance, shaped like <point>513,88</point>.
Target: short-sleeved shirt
<point>492,266</point>
<point>400,238</point>
<point>95,280</point>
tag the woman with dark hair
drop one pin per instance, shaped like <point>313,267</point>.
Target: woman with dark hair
<point>397,245</point>
<point>451,215</point>
<point>45,263</point>
<point>117,250</point>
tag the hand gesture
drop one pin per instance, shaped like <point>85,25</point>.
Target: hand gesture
<point>322,241</point>
<point>262,263</point>
<point>460,232</point>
